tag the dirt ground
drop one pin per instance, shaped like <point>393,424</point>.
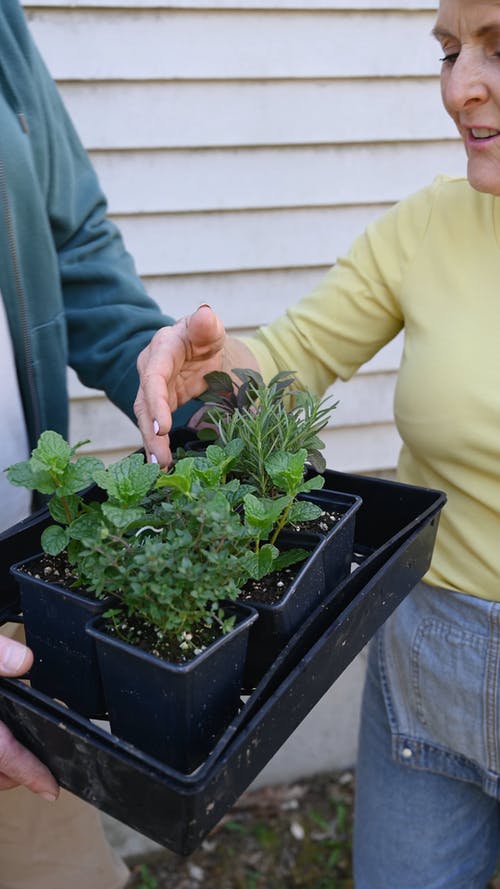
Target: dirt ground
<point>292,836</point>
<point>283,837</point>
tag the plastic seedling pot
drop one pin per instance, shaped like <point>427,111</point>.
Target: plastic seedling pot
<point>65,662</point>
<point>174,712</point>
<point>278,621</point>
<point>337,550</point>
<point>329,562</point>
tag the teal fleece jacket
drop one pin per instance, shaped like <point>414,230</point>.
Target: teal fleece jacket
<point>71,292</point>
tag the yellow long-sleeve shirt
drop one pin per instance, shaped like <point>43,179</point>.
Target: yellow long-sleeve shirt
<point>430,265</point>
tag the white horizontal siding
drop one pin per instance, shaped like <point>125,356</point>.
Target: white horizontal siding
<point>172,114</point>
<point>366,449</point>
<point>242,145</point>
<point>210,242</point>
<point>251,179</point>
<point>234,44</point>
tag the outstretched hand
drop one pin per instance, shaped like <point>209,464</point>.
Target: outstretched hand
<point>172,370</point>
<point>17,765</point>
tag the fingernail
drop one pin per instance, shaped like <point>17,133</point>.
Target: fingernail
<point>50,797</point>
<point>13,657</point>
<point>204,306</point>
<point>153,459</point>
<point>156,427</point>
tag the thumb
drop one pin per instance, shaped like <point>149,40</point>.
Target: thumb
<point>15,658</point>
<point>205,331</point>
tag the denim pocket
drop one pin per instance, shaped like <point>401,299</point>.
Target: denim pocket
<point>448,671</point>
<point>439,679</point>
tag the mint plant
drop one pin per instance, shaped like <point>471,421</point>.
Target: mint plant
<point>168,548</point>
<point>52,471</point>
<point>267,516</point>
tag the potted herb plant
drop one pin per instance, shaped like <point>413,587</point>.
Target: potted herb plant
<point>55,607</point>
<point>167,561</point>
<point>277,430</point>
<point>164,577</point>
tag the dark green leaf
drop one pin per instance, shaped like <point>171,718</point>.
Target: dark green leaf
<point>315,483</point>
<point>290,557</point>
<point>80,475</point>
<point>24,476</point>
<point>54,540</point>
<point>304,511</point>
<point>129,480</point>
<point>122,518</point>
<point>52,452</point>
<point>86,527</point>
<point>263,513</point>
<point>287,470</point>
<point>64,510</point>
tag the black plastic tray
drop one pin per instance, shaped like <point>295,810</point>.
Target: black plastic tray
<point>395,533</point>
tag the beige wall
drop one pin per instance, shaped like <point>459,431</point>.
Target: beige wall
<point>243,144</point>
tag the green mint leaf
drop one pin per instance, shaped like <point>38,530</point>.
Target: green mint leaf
<point>129,480</point>
<point>304,511</point>
<point>121,518</point>
<point>180,478</point>
<point>290,557</point>
<point>224,458</point>
<point>24,476</point>
<point>64,510</point>
<point>80,475</point>
<point>257,565</point>
<point>287,470</point>
<point>87,527</point>
<point>52,452</point>
<point>263,513</point>
<point>312,484</point>
<point>234,448</point>
<point>54,540</point>
<point>209,475</point>
<point>267,559</point>
<point>218,508</point>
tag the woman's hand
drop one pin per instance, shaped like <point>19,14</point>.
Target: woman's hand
<point>172,370</point>
<point>18,765</point>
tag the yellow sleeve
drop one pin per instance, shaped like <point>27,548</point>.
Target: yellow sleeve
<point>355,309</point>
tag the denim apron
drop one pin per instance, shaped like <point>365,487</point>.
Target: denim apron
<point>439,657</point>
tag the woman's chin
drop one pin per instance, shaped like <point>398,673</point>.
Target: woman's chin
<point>484,177</point>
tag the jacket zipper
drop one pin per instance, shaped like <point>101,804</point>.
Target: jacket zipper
<point>21,298</point>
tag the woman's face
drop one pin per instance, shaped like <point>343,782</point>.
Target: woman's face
<point>469,34</point>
